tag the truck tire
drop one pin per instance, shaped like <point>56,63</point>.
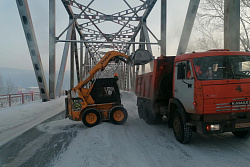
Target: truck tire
<point>91,117</point>
<point>118,115</point>
<point>182,132</point>
<point>140,109</point>
<point>242,134</point>
<point>152,116</point>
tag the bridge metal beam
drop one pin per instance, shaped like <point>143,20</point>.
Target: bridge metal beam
<point>163,42</point>
<point>63,61</point>
<point>94,37</point>
<point>29,32</point>
<point>188,25</point>
<point>52,48</point>
<point>232,25</point>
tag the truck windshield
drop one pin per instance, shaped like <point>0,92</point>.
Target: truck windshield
<point>222,67</point>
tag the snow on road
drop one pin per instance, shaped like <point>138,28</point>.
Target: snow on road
<point>140,145</point>
<point>134,144</point>
<point>16,120</point>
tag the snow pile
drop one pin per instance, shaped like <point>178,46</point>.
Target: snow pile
<point>16,120</point>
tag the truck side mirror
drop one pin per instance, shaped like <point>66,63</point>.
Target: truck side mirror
<point>181,71</point>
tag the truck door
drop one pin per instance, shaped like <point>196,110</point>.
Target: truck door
<point>184,85</point>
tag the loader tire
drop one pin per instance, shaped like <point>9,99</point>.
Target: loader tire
<point>91,117</point>
<point>182,132</point>
<point>118,115</point>
<point>242,134</point>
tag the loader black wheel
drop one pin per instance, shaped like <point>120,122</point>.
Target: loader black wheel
<point>242,134</point>
<point>182,132</point>
<point>91,117</point>
<point>118,115</point>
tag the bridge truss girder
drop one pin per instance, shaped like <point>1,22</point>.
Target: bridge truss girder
<point>96,41</point>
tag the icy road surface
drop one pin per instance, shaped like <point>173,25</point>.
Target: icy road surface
<point>16,120</point>
<point>59,142</point>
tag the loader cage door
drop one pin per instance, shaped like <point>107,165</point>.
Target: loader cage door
<point>105,90</point>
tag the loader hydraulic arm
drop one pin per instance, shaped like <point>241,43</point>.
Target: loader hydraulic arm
<point>109,56</point>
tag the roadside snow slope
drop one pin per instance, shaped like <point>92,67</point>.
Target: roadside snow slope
<point>16,120</point>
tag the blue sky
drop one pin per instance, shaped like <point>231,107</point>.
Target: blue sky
<point>13,47</point>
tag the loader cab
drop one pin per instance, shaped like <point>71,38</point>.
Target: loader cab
<point>105,90</point>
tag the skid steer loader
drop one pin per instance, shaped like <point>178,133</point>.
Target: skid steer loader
<point>96,100</point>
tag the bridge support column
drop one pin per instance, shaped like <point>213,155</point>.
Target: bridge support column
<point>72,56</point>
<point>81,60</point>
<point>232,25</point>
<point>188,25</point>
<point>52,48</point>
<point>163,42</point>
<point>29,32</point>
<point>63,61</point>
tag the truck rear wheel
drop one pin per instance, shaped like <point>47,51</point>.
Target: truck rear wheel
<point>151,116</point>
<point>242,134</point>
<point>118,115</point>
<point>182,132</point>
<point>140,110</point>
<point>91,117</point>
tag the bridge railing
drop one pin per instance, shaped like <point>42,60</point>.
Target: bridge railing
<point>15,99</point>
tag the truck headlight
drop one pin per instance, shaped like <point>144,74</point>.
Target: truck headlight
<point>214,127</point>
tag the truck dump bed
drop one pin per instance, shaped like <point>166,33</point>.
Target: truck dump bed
<point>156,85</point>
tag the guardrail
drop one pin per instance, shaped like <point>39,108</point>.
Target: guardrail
<point>14,99</point>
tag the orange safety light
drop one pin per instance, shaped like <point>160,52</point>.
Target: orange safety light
<point>208,128</point>
<point>115,75</point>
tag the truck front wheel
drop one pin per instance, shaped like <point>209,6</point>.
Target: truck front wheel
<point>242,134</point>
<point>182,132</point>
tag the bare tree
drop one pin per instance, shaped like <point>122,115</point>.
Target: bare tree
<point>9,86</point>
<point>210,24</point>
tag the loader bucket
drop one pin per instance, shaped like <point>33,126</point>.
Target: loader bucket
<point>141,57</point>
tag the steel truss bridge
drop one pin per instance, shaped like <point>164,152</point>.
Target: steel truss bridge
<point>90,33</point>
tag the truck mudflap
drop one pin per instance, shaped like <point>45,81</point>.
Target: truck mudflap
<point>221,127</point>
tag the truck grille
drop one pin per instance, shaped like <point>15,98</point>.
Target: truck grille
<point>225,105</point>
<point>229,107</point>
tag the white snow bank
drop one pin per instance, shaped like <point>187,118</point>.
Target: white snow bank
<point>16,120</point>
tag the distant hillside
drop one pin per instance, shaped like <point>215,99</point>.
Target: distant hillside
<point>26,78</point>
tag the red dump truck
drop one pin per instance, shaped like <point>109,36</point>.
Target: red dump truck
<point>207,92</point>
